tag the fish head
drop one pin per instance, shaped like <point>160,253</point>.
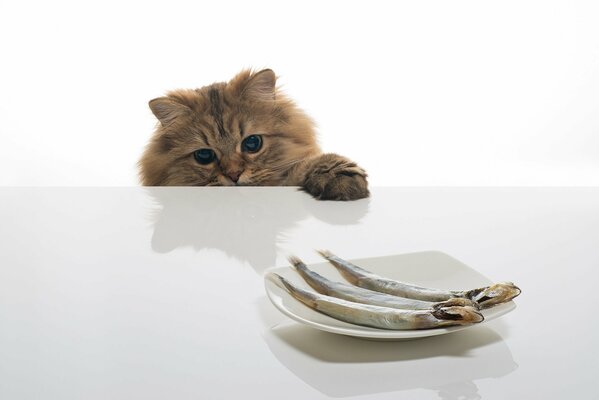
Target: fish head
<point>495,294</point>
<point>461,315</point>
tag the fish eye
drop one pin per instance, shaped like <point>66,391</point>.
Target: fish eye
<point>251,144</point>
<point>204,156</point>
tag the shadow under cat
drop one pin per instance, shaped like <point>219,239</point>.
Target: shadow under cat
<point>246,223</point>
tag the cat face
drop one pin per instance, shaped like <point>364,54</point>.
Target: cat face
<point>243,132</point>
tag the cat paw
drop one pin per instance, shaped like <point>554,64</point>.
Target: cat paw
<point>333,177</point>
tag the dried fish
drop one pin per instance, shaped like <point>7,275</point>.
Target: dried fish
<point>377,316</point>
<point>486,297</point>
<point>360,295</point>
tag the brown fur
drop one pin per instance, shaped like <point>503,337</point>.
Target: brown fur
<point>219,117</point>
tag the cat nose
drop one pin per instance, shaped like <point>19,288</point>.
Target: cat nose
<point>234,175</point>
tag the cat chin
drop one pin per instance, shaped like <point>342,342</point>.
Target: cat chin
<point>232,184</point>
<point>243,181</point>
<point>242,184</point>
<point>246,183</point>
<point>227,182</point>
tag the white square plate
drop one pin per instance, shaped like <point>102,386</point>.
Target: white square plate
<point>429,269</point>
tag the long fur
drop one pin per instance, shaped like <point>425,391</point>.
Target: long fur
<point>219,117</point>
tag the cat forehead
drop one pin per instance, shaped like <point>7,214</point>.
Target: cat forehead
<point>203,99</point>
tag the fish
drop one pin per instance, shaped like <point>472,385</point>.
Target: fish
<point>377,316</point>
<point>486,297</point>
<point>357,294</point>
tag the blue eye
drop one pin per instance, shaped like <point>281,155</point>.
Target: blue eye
<point>204,156</point>
<point>252,143</point>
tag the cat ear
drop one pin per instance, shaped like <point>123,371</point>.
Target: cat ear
<point>167,110</point>
<point>261,86</point>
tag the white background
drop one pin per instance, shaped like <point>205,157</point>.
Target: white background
<point>419,93</point>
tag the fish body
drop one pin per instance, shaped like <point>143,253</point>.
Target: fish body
<point>485,297</point>
<point>377,316</point>
<point>366,296</point>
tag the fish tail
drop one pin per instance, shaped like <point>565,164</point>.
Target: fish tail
<point>346,269</point>
<point>302,295</point>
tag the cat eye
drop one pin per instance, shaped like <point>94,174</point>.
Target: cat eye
<point>252,143</point>
<point>204,156</point>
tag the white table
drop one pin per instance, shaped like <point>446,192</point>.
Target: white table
<point>136,293</point>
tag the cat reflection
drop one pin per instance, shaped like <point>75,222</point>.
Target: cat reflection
<point>246,223</point>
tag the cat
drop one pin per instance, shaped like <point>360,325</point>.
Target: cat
<point>243,132</point>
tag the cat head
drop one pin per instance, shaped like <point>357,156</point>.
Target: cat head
<point>242,132</point>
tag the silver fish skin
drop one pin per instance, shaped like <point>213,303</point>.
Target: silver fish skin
<point>485,297</point>
<point>365,296</point>
<point>380,317</point>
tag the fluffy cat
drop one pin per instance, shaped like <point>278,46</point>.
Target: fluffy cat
<point>243,132</point>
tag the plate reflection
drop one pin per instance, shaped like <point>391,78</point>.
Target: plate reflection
<point>342,366</point>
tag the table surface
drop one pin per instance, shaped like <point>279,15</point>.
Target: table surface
<point>157,293</point>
